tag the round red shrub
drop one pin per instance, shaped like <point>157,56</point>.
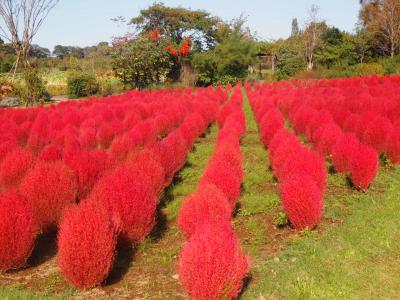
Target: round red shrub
<point>126,195</point>
<point>6,147</point>
<point>330,134</point>
<point>51,152</point>
<point>302,200</point>
<point>364,167</point>
<point>86,246</point>
<point>88,169</point>
<point>207,204</point>
<point>306,162</point>
<point>14,167</point>
<point>342,152</point>
<point>223,176</point>
<point>50,187</point>
<point>17,231</point>
<point>231,154</point>
<point>145,164</point>
<point>377,132</point>
<point>105,135</point>
<point>269,125</point>
<point>211,265</point>
<point>317,120</point>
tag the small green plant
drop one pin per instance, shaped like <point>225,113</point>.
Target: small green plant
<point>82,85</point>
<point>281,220</point>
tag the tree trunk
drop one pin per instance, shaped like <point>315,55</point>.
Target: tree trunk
<point>310,65</point>
<point>273,63</point>
<point>392,50</point>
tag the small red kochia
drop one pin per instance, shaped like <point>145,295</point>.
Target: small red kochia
<point>86,245</point>
<point>17,231</point>
<point>302,201</point>
<point>14,167</point>
<point>342,152</point>
<point>212,265</point>
<point>50,187</point>
<point>207,204</point>
<point>364,167</point>
<point>223,176</point>
<point>128,196</point>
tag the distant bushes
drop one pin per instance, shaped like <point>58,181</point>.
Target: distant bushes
<point>82,85</point>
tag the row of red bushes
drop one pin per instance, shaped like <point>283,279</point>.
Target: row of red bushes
<point>367,107</point>
<point>355,138</point>
<point>41,183</point>
<point>211,264</point>
<point>300,171</point>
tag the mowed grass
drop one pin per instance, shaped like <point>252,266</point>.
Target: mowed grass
<point>354,254</point>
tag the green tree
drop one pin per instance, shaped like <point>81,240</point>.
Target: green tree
<point>230,60</point>
<point>176,23</point>
<point>289,62</point>
<point>140,62</point>
<point>295,28</point>
<point>337,49</point>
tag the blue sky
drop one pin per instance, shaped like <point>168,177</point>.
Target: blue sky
<point>87,22</point>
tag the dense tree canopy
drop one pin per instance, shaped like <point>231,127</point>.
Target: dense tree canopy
<point>177,23</point>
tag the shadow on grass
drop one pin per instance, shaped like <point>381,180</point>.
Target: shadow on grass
<point>122,263</point>
<point>44,250</point>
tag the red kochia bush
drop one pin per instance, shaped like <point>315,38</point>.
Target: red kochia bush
<point>127,196</point>
<point>6,147</point>
<point>376,133</point>
<point>364,167</point>
<point>232,154</point>
<point>86,246</point>
<point>342,152</point>
<point>14,167</point>
<point>223,176</point>
<point>88,169</point>
<point>145,164</point>
<point>302,201</point>
<point>17,231</point>
<point>211,265</point>
<point>309,162</point>
<point>330,134</point>
<point>207,204</point>
<point>50,187</point>
<point>51,152</point>
<point>105,135</point>
<point>269,125</point>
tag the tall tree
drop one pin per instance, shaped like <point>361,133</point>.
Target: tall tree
<point>22,20</point>
<point>295,28</point>
<point>381,19</point>
<point>178,23</point>
<point>312,35</point>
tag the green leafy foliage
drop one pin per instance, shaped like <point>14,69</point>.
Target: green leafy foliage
<point>141,62</point>
<point>229,61</point>
<point>289,63</point>
<point>81,85</point>
<point>177,22</point>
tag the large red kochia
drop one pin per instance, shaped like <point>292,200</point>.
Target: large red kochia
<point>50,187</point>
<point>127,196</point>
<point>211,265</point>
<point>207,204</point>
<point>302,201</point>
<point>86,245</point>
<point>17,231</point>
